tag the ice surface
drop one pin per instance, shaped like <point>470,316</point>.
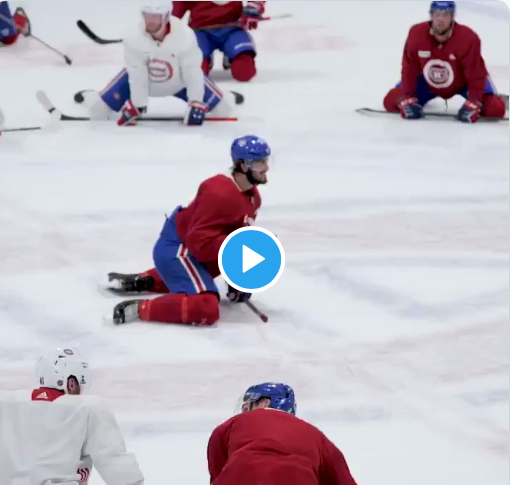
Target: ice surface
<point>391,318</point>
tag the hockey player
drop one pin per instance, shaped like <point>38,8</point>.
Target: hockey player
<point>235,42</point>
<point>186,253</point>
<point>57,436</point>
<point>266,443</point>
<point>11,26</point>
<point>443,58</point>
<point>162,59</point>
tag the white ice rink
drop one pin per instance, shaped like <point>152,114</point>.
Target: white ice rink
<point>391,318</point>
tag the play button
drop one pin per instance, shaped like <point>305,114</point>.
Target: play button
<point>251,259</point>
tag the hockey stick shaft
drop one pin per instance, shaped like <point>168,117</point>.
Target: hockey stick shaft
<point>238,24</point>
<point>99,40</point>
<point>27,128</point>
<point>257,312</point>
<point>48,106</point>
<point>66,58</point>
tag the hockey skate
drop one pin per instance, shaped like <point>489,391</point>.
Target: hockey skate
<point>126,312</point>
<point>129,283</point>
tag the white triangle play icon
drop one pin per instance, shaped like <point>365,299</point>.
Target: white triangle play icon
<point>250,258</point>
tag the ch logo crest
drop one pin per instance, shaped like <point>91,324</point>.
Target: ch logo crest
<point>439,73</point>
<point>160,71</point>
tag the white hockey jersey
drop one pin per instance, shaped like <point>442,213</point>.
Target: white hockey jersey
<point>159,69</point>
<point>44,443</point>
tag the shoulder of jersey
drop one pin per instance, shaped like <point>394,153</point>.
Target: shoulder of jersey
<point>466,31</point>
<point>420,28</point>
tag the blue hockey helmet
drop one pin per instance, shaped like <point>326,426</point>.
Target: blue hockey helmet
<point>280,395</point>
<point>444,6</point>
<point>249,149</point>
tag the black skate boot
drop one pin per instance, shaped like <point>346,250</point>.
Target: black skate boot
<point>126,312</point>
<point>129,283</point>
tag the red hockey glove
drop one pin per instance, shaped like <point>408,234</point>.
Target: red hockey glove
<point>251,15</point>
<point>129,114</point>
<point>409,108</point>
<point>237,296</point>
<point>470,112</point>
<point>195,114</point>
<point>21,21</point>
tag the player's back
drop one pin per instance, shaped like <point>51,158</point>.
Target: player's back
<point>277,446</point>
<point>45,440</point>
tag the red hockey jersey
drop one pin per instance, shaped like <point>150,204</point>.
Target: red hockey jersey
<point>447,67</point>
<point>218,209</point>
<point>267,446</point>
<point>204,14</point>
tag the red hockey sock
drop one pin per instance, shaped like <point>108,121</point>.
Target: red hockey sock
<point>159,284</point>
<point>243,67</point>
<point>391,99</point>
<point>206,66</point>
<point>201,309</point>
<point>493,105</point>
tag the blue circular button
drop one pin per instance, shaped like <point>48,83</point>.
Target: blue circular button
<point>251,259</point>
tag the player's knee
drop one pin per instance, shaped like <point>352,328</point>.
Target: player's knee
<point>493,106</point>
<point>243,67</point>
<point>206,66</point>
<point>203,309</point>
<point>390,100</point>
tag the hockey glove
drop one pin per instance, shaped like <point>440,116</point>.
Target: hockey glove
<point>237,296</point>
<point>409,108</point>
<point>251,15</point>
<point>195,114</point>
<point>470,112</point>
<point>129,114</point>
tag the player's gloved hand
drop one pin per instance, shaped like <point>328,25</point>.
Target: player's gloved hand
<point>237,296</point>
<point>195,114</point>
<point>251,15</point>
<point>409,108</point>
<point>470,112</point>
<point>129,114</point>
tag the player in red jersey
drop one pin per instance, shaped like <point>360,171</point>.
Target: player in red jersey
<point>11,26</point>
<point>443,58</point>
<point>186,253</point>
<point>267,444</point>
<point>235,42</point>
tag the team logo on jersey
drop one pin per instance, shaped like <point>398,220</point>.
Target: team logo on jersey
<point>438,73</point>
<point>160,71</point>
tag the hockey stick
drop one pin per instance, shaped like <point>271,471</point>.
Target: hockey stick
<point>238,24</point>
<point>379,112</point>
<point>99,40</point>
<point>257,312</point>
<point>27,128</point>
<point>48,106</point>
<point>66,58</point>
<point>92,36</point>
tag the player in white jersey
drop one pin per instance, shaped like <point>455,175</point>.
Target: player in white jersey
<point>162,58</point>
<point>56,437</point>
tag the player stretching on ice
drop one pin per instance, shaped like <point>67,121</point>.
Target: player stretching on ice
<point>57,436</point>
<point>9,33</point>
<point>267,444</point>
<point>162,59</point>
<point>235,42</point>
<point>443,58</point>
<point>186,253</point>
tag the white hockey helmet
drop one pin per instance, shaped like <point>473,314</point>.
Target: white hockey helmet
<point>55,367</point>
<point>161,8</point>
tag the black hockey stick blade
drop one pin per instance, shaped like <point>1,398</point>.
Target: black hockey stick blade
<point>257,312</point>
<point>380,112</point>
<point>92,36</point>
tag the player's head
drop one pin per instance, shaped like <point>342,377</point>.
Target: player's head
<point>272,395</point>
<point>250,155</point>
<point>63,369</point>
<point>156,15</point>
<point>442,15</point>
